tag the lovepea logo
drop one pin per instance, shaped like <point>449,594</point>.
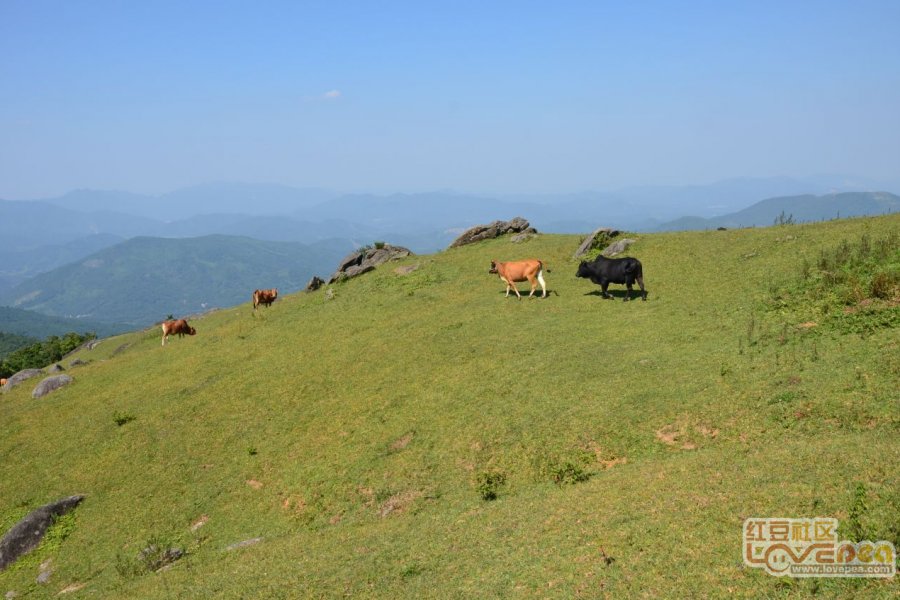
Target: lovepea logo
<point>810,548</point>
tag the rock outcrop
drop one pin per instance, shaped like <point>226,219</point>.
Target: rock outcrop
<point>50,384</point>
<point>18,378</point>
<point>314,284</point>
<point>57,368</point>
<point>588,243</point>
<point>521,237</point>
<point>488,232</point>
<point>407,270</point>
<point>28,533</point>
<point>363,261</point>
<point>617,247</point>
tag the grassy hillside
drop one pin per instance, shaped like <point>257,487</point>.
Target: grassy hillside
<point>801,209</point>
<point>626,443</point>
<point>35,325</point>
<point>142,280</point>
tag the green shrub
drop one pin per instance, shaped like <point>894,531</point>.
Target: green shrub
<point>885,285</point>
<point>121,418</point>
<point>41,354</point>
<point>157,553</point>
<point>489,483</point>
<point>568,473</point>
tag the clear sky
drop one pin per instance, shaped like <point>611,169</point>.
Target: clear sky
<point>413,96</point>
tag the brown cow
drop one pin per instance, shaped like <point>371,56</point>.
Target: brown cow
<point>511,272</point>
<point>180,327</point>
<point>266,297</point>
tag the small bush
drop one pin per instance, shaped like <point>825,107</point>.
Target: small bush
<point>568,473</point>
<point>157,553</point>
<point>885,285</point>
<point>252,451</point>
<point>121,418</point>
<point>489,483</point>
<point>379,245</point>
<point>411,570</point>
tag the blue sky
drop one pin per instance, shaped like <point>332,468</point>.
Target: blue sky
<point>412,96</point>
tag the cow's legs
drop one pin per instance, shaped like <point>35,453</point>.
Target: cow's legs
<point>543,284</point>
<point>603,286</point>
<point>533,283</point>
<point>628,293</point>
<point>640,281</point>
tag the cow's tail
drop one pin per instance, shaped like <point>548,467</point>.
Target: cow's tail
<point>543,266</point>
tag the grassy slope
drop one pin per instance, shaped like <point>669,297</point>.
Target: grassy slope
<point>474,382</point>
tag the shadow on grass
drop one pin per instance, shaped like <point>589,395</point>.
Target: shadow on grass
<point>537,294</point>
<point>617,294</point>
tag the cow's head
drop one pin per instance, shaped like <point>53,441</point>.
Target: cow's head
<point>191,330</point>
<point>493,267</point>
<point>583,270</point>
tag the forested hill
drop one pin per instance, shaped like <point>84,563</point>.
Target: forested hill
<point>142,280</point>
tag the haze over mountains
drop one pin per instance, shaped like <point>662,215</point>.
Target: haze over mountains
<point>117,256</point>
<point>799,209</point>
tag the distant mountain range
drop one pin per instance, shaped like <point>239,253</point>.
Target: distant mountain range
<point>211,198</point>
<point>142,280</point>
<point>797,208</point>
<point>89,253</point>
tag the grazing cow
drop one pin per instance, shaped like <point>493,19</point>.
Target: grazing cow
<point>511,272</point>
<point>604,271</point>
<point>180,327</point>
<point>266,297</point>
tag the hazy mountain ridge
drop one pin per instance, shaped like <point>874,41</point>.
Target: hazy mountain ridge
<point>143,279</point>
<point>800,209</point>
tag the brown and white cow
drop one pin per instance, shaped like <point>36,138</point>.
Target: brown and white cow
<point>180,327</point>
<point>266,297</point>
<point>522,270</point>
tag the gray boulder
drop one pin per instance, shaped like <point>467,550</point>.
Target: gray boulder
<point>123,347</point>
<point>314,284</point>
<point>28,533</point>
<point>407,270</point>
<point>75,362</point>
<point>361,261</point>
<point>57,368</point>
<point>356,270</point>
<point>525,235</point>
<point>617,247</point>
<point>488,232</point>
<point>589,241</point>
<point>244,544</point>
<point>51,383</point>
<point>21,376</point>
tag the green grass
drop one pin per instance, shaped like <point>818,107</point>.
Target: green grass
<point>631,439</point>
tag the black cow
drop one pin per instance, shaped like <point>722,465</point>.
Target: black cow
<point>605,271</point>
